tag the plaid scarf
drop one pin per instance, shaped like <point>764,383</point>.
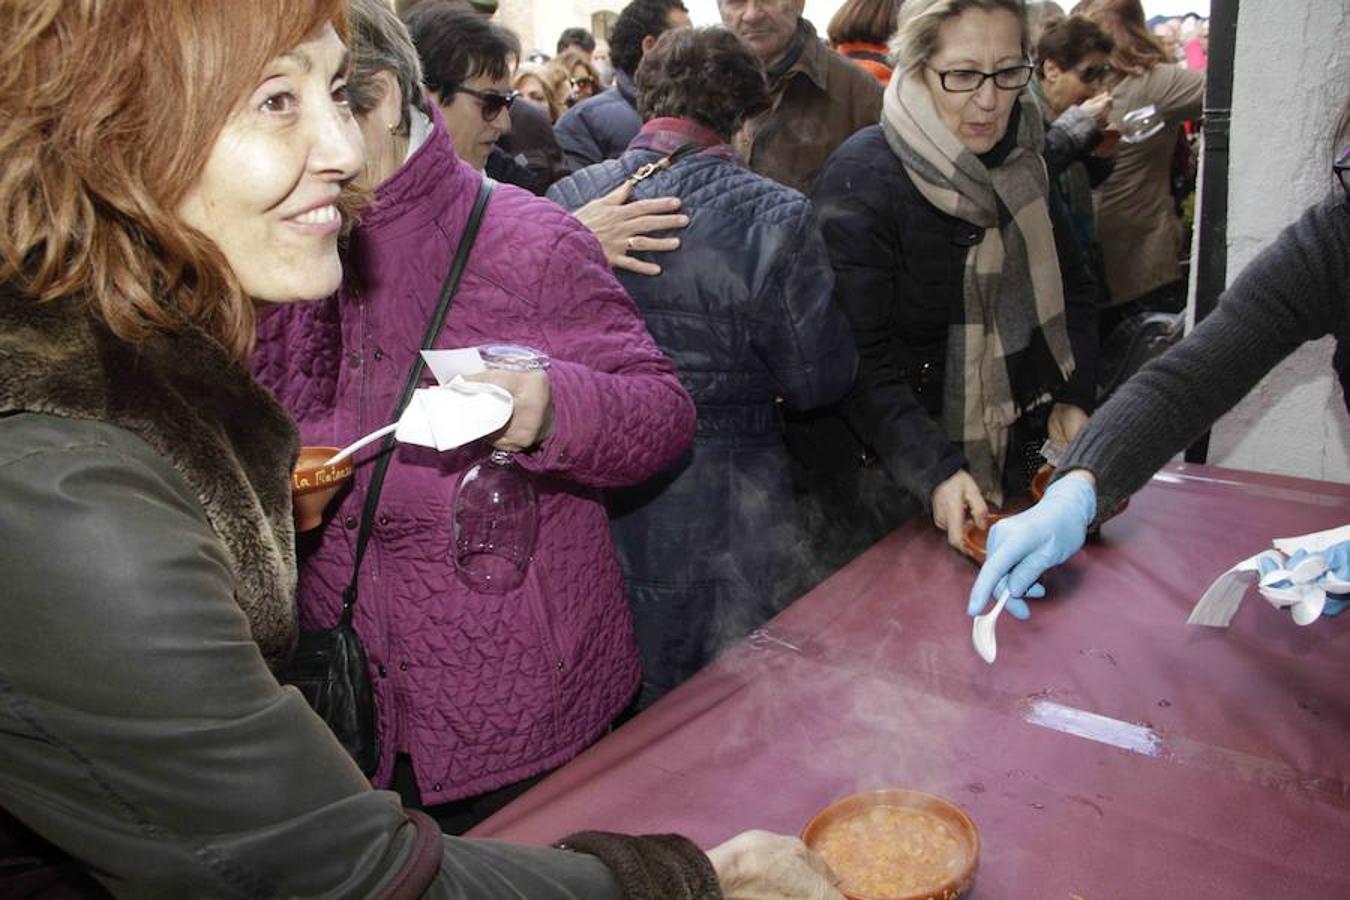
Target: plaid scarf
<point>1011,348</point>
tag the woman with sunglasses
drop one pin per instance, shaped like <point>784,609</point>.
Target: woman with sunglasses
<point>477,694</point>
<point>973,310</point>
<point>1296,290</point>
<point>1072,70</point>
<point>582,76</point>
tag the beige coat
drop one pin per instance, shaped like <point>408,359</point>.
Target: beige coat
<point>817,105</point>
<point>1140,234</point>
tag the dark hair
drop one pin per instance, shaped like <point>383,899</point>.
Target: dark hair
<point>456,45</point>
<point>864,21</point>
<point>576,37</point>
<point>1066,41</point>
<point>639,19</point>
<point>1137,50</point>
<point>704,74</point>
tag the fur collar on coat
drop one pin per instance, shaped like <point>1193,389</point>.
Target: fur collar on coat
<point>183,395</point>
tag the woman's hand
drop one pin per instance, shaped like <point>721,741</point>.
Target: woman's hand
<point>622,227</point>
<point>950,502</point>
<point>1099,107</point>
<point>760,865</point>
<point>532,416</point>
<point>1066,420</point>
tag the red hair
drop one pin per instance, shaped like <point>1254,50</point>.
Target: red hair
<point>108,113</point>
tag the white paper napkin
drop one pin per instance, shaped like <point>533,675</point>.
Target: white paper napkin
<point>447,365</point>
<point>451,415</point>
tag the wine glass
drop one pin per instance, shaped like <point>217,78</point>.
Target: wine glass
<point>496,514</point>
<point>1138,125</point>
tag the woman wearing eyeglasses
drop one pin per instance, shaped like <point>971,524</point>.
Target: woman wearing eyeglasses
<point>1296,290</point>
<point>972,307</point>
<point>466,61</point>
<point>476,693</point>
<point>582,76</point>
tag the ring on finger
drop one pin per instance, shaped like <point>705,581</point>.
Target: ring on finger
<point>630,243</point>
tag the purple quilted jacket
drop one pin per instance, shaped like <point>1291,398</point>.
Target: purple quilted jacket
<point>480,690</point>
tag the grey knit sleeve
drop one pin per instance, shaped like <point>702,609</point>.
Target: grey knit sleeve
<point>1296,290</point>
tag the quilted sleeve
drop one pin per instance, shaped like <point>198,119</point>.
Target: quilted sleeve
<point>619,412</point>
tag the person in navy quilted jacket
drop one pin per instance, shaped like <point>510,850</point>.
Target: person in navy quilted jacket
<point>476,694</point>
<point>744,309</point>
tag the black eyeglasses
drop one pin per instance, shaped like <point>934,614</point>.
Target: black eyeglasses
<point>1093,74</point>
<point>965,81</point>
<point>586,80</point>
<point>1342,169</point>
<point>492,102</point>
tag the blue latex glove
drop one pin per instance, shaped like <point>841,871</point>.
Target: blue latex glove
<point>1022,547</point>
<point>1338,560</point>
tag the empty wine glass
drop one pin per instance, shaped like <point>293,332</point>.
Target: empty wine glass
<point>496,515</point>
<point>1140,124</point>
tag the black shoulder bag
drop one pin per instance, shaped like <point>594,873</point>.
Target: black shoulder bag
<point>329,664</point>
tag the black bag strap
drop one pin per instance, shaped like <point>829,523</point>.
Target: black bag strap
<point>414,377</point>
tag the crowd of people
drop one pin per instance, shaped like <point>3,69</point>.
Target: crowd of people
<point>791,291</point>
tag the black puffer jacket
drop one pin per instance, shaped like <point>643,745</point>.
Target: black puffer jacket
<point>744,309</point>
<point>899,264</point>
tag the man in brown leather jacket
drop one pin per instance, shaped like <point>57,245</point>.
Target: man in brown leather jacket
<point>819,98</point>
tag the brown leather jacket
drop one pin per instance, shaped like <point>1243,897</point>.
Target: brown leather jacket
<point>146,520</point>
<point>821,100</point>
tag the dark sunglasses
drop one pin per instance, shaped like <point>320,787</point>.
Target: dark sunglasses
<point>586,80</point>
<point>1093,74</point>
<point>492,102</point>
<point>1342,169</point>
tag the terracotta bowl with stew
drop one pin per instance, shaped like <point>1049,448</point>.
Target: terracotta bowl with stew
<point>974,539</point>
<point>897,845</point>
<point>313,484</point>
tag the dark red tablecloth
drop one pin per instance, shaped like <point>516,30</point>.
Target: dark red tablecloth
<point>1112,751</point>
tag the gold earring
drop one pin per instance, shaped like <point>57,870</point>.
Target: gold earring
<point>392,128</point>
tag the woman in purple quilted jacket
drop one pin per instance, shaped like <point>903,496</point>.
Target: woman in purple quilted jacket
<point>477,694</point>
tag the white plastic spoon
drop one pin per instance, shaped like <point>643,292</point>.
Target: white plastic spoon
<point>1308,570</point>
<point>358,444</point>
<point>982,632</point>
<point>1307,610</point>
